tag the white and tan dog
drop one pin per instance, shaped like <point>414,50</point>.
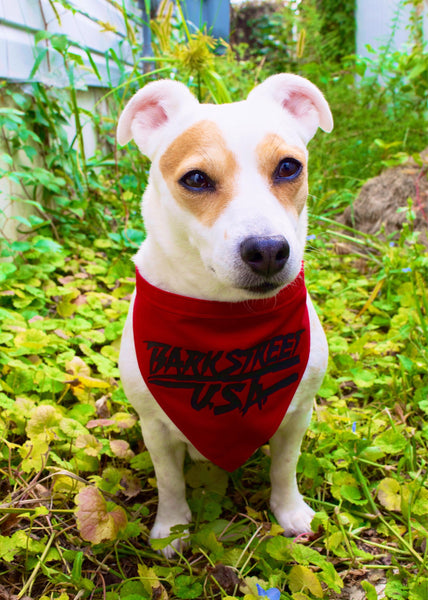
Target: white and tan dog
<point>226,221</point>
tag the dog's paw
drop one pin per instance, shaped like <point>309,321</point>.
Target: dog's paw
<point>162,530</point>
<point>295,519</point>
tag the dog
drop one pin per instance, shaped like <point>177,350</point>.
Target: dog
<point>222,349</point>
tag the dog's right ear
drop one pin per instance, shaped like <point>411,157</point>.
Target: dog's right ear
<point>299,97</point>
<point>151,109</point>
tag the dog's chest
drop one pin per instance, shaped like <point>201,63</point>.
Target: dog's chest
<point>224,373</point>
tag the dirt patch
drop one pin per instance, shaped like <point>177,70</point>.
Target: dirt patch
<point>377,208</point>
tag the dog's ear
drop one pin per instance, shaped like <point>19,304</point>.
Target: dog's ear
<point>299,97</point>
<point>151,109</point>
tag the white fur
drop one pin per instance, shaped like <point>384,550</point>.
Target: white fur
<point>183,256</point>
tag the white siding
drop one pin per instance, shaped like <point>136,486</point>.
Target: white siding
<point>384,23</point>
<point>19,22</point>
<point>21,19</point>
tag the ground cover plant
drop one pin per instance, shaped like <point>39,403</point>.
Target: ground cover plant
<point>77,487</point>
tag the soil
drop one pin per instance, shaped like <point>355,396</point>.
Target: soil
<point>377,207</point>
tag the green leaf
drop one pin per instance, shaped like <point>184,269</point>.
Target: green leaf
<point>6,269</point>
<point>32,340</point>
<point>305,555</point>
<point>42,35</point>
<point>406,362</point>
<point>142,462</point>
<point>389,494</point>
<point>34,453</point>
<point>329,387</point>
<point>186,587</point>
<point>334,540</point>
<point>30,152</point>
<point>417,71</point>
<point>415,499</point>
<point>47,245</point>
<point>20,380</point>
<point>419,590</point>
<point>60,42</point>
<point>110,481</point>
<point>370,590</point>
<point>352,494</point>
<point>81,413</point>
<point>331,577</point>
<point>41,54</point>
<point>133,237</point>
<point>44,419</point>
<point>208,541</point>
<point>391,442</point>
<point>8,548</point>
<point>76,58</point>
<point>161,543</point>
<point>364,378</point>
<point>302,579</point>
<point>342,480</point>
<point>92,63</point>
<point>149,579</point>
<point>206,504</point>
<point>6,402</point>
<point>133,590</point>
<point>19,542</point>
<point>395,589</point>
<point>6,158</point>
<point>208,476</point>
<point>124,420</point>
<point>279,548</point>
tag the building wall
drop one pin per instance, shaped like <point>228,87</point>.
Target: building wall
<point>97,25</point>
<point>383,23</point>
<point>13,196</point>
<point>214,15</point>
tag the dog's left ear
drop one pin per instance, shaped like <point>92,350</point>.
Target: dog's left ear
<point>299,97</point>
<point>150,110</point>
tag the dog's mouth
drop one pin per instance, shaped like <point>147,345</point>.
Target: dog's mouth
<point>262,288</point>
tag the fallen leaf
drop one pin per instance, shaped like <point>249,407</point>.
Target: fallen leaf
<point>95,521</point>
<point>226,577</point>
<point>102,407</point>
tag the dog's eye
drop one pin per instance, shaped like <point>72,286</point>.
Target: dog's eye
<point>287,169</point>
<point>197,181</point>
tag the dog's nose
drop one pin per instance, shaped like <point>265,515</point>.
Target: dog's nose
<point>266,255</point>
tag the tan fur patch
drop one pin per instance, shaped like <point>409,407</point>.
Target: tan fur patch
<point>270,151</point>
<point>202,147</point>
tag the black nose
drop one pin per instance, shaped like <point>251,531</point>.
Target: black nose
<point>266,255</point>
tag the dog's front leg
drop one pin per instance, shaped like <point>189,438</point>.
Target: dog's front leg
<point>167,454</point>
<point>287,504</point>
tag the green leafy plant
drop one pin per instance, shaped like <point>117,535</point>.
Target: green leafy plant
<point>191,56</point>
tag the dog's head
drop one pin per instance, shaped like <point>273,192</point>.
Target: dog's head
<point>228,183</point>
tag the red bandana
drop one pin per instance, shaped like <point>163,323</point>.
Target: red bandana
<point>224,372</point>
